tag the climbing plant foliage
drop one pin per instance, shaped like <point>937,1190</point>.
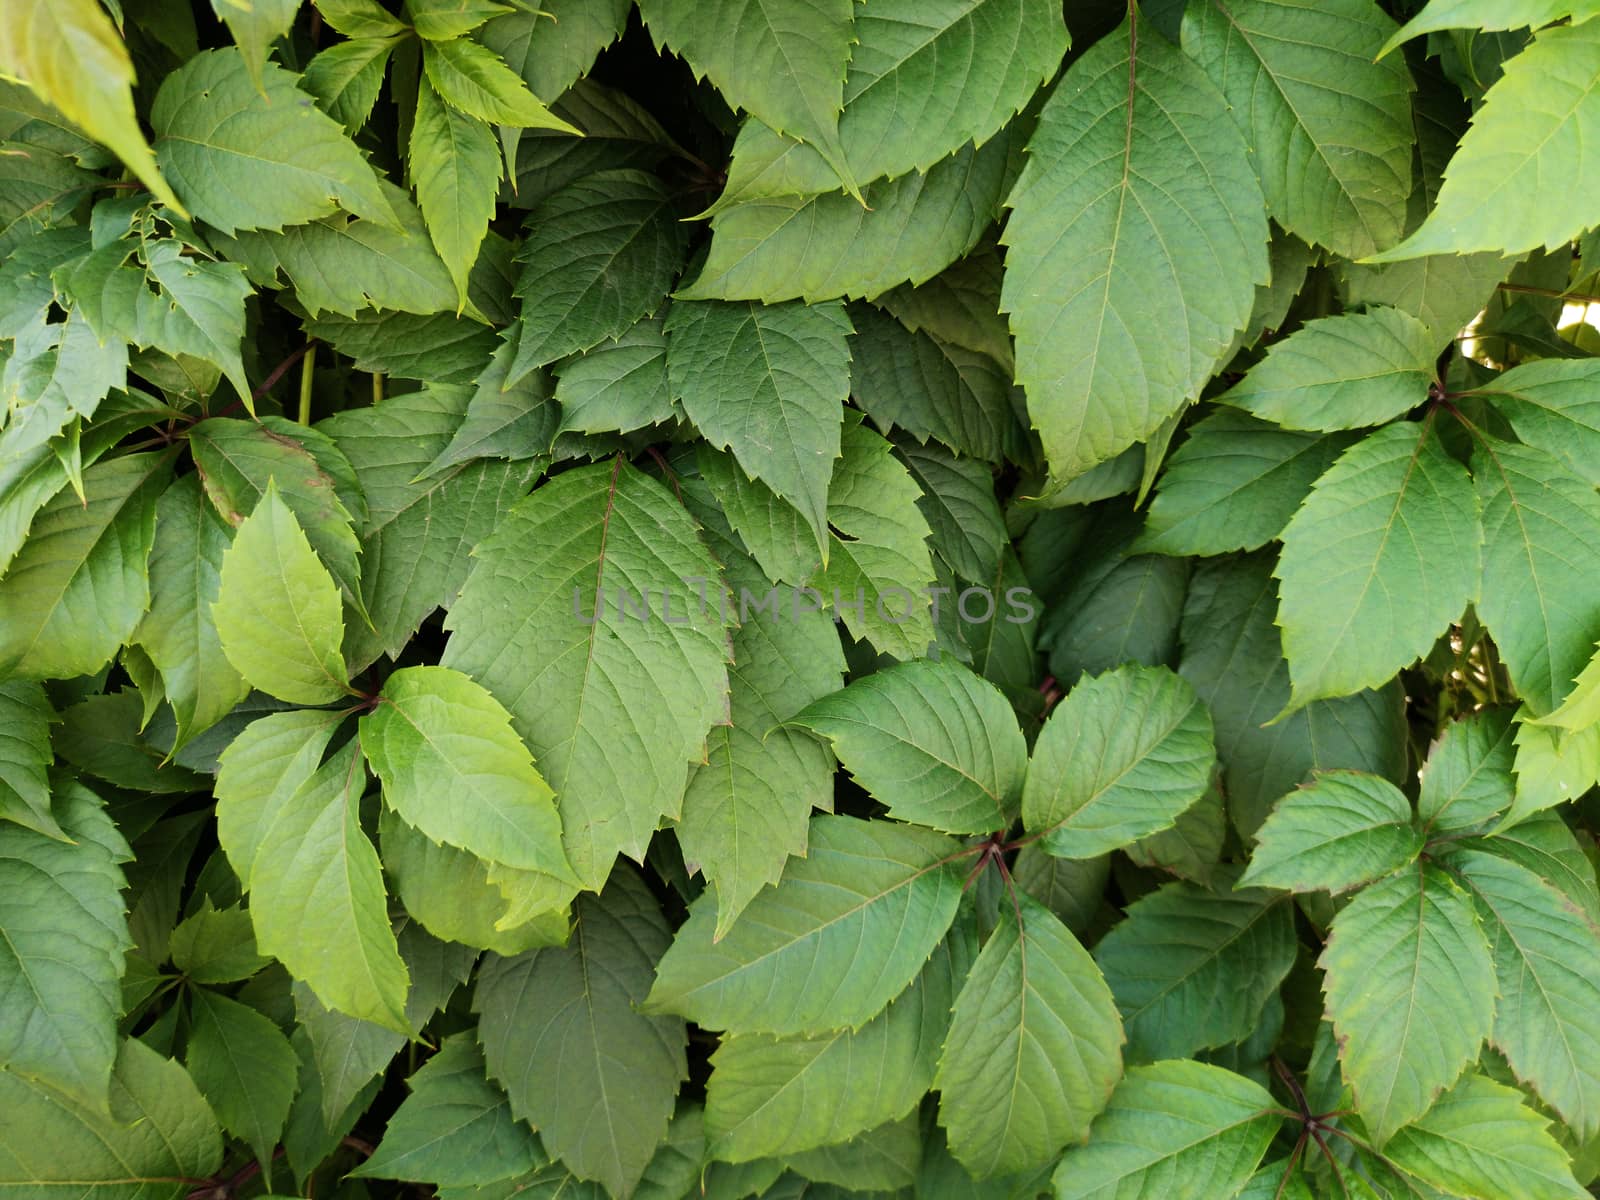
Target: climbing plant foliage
<point>960,599</point>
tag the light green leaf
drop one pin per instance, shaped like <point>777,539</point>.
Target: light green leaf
<point>1230,653</point>
<point>816,246</point>
<point>277,611</point>
<point>347,77</point>
<point>933,389</point>
<point>78,586</point>
<point>1344,829</point>
<point>968,530</point>
<point>1035,1046</point>
<point>1581,709</point>
<point>931,741</point>
<point>1411,993</point>
<point>453,768</point>
<point>1138,197</point>
<point>1192,967</point>
<point>62,942</point>
<point>1118,760</point>
<point>1552,766</point>
<point>768,383</point>
<point>455,166</point>
<point>619,385</point>
<point>1490,15</point>
<point>419,533</point>
<point>179,632</point>
<point>879,576</point>
<point>613,708</point>
<point>1173,1131</point>
<point>244,157</point>
<point>1481,1142</point>
<point>1341,372</point>
<point>1468,776</point>
<point>25,756</point>
<point>69,53</point>
<point>1541,537</point>
<point>783,61</point>
<point>1554,406</point>
<point>775,1096</point>
<point>1500,190</point>
<point>600,254</point>
<point>561,1031</point>
<point>473,79</point>
<point>1546,846</point>
<point>158,1128</point>
<point>1233,484</point>
<point>244,1067</point>
<point>455,1128</point>
<point>216,945</point>
<point>798,960</point>
<point>259,772</point>
<point>1330,128</point>
<point>255,25</point>
<point>444,20</point>
<point>1547,962</point>
<point>317,897</point>
<point>1382,556</point>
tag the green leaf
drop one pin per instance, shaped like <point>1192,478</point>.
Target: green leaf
<point>445,20</point>
<point>961,305</point>
<point>612,707</point>
<point>216,945</point>
<point>1034,1047</point>
<point>1231,654</point>
<point>600,254</point>
<point>1552,766</point>
<point>79,585</point>
<point>455,166</point>
<point>1481,1142</point>
<point>1118,760</point>
<point>933,389</point>
<point>562,1032</point>
<point>179,632</point>
<point>1174,1130</point>
<point>781,1095</point>
<point>619,385</point>
<point>455,1128</point>
<point>1342,372</point>
<point>25,757</point>
<point>1233,484</point>
<point>879,574</point>
<point>255,25</point>
<point>1544,845</point>
<point>783,61</point>
<point>61,955</point>
<point>1490,14</point>
<point>775,532</point>
<point>1468,776</point>
<point>453,768</point>
<point>244,1067</point>
<point>1342,830</point>
<point>419,533</point>
<point>277,612</point>
<point>1531,127</point>
<point>796,961</point>
<point>1411,993</point>
<point>317,898</point>
<point>262,768</point>
<point>158,1128</point>
<point>70,55</point>
<point>769,384</point>
<point>473,79</point>
<point>1329,127</point>
<point>968,530</point>
<point>882,1159</point>
<point>1135,155</point>
<point>1547,963</point>
<point>347,77</point>
<point>249,157</point>
<point>512,423</point>
<point>1541,535</point>
<point>1382,556</point>
<point>931,741</point>
<point>1192,967</point>
<point>818,245</point>
<point>1552,405</point>
<point>101,735</point>
<point>553,47</point>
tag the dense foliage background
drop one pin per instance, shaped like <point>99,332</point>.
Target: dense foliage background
<point>473,472</point>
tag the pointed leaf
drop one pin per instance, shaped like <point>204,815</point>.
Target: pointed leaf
<point>244,1067</point>
<point>255,25</point>
<point>1341,831</point>
<point>25,757</point>
<point>1468,776</point>
<point>473,79</point>
<point>1035,1046</point>
<point>619,385</point>
<point>455,167</point>
<point>1138,193</point>
<point>1552,404</point>
<point>262,768</point>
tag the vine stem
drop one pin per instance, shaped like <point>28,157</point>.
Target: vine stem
<point>307,367</point>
